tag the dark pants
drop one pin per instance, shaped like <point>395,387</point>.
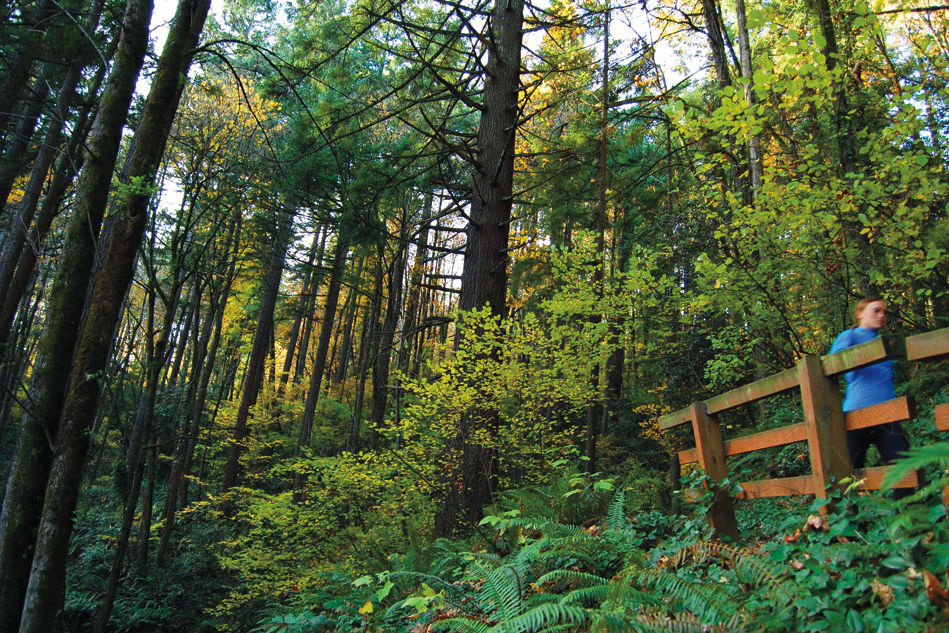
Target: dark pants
<point>889,439</point>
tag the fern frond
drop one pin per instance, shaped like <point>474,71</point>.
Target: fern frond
<point>748,566</point>
<point>547,527</point>
<point>572,576</point>
<point>627,595</point>
<point>612,622</point>
<point>532,551</point>
<point>682,623</point>
<point>503,589</point>
<point>545,615</point>
<point>915,459</point>
<point>463,625</point>
<point>483,557</point>
<point>710,602</point>
<point>531,502</point>
<point>597,594</point>
<point>616,512</point>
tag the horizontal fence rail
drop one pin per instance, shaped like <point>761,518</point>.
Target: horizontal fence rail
<point>824,427</point>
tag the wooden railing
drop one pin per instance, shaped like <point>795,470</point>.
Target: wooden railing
<point>824,425</point>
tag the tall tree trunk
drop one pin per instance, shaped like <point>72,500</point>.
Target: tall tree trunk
<point>716,40</point>
<point>595,411</point>
<point>26,209</point>
<point>383,353</point>
<point>298,317</point>
<point>345,350</point>
<point>17,150</point>
<point>322,349</point>
<point>370,326</point>
<point>413,311</point>
<point>145,525</point>
<point>253,377</point>
<point>747,73</point>
<point>66,168</point>
<point>200,376</point>
<point>847,145</point>
<point>17,65</point>
<point>156,357</point>
<point>23,501</point>
<point>484,276</point>
<point>308,310</point>
<point>44,595</point>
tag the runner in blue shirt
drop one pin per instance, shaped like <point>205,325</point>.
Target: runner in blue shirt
<point>870,385</point>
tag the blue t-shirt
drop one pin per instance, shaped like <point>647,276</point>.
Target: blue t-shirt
<point>869,385</point>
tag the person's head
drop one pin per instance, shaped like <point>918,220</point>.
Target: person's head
<point>870,313</point>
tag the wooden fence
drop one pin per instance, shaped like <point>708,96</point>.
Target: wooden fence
<point>824,425</point>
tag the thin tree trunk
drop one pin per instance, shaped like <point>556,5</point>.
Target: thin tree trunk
<point>345,351</point>
<point>413,302</point>
<point>370,327</point>
<point>595,411</point>
<point>716,40</point>
<point>145,525</point>
<point>308,310</point>
<point>200,377</point>
<point>383,353</point>
<point>253,377</point>
<point>322,350</point>
<point>754,142</point>
<point>298,318</point>
<point>64,172</point>
<point>17,150</point>
<point>18,62</point>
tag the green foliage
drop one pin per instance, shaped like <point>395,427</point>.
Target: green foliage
<point>860,565</point>
<point>350,516</point>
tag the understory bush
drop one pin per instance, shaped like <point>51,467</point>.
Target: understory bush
<point>578,555</point>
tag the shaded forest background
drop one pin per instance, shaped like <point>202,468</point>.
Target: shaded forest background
<point>312,284</point>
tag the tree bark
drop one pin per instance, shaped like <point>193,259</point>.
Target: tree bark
<point>322,350</point>
<point>253,377</point>
<point>383,353</point>
<point>308,309</point>
<point>596,409</point>
<point>716,40</point>
<point>17,67</point>
<point>44,595</point>
<point>484,276</point>
<point>370,326</point>
<point>754,142</point>
<point>18,147</point>
<point>23,501</point>
<point>298,318</point>
<point>63,174</point>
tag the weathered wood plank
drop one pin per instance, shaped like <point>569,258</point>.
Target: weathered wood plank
<point>880,348</point>
<point>754,391</point>
<point>711,454</point>
<point>895,410</point>
<point>873,477</point>
<point>929,345</point>
<point>802,485</point>
<point>676,418</point>
<point>941,414</point>
<point>824,420</point>
<point>754,442</point>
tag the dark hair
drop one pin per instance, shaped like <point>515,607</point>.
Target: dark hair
<point>863,303</point>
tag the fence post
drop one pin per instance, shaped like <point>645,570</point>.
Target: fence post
<point>711,454</point>
<point>824,420</point>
